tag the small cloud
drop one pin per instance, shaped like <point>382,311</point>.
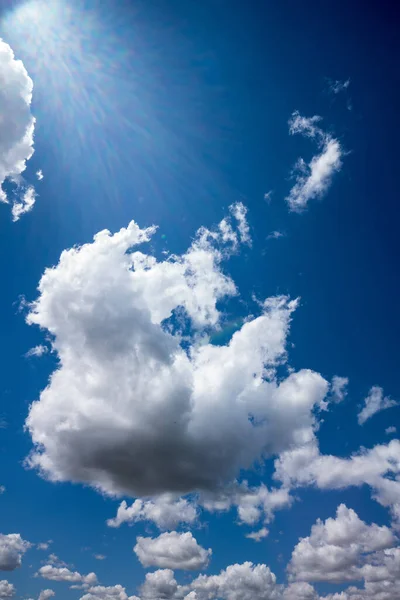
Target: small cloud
<point>337,86</point>
<point>257,536</point>
<point>339,388</point>
<point>25,204</point>
<point>37,351</point>
<point>313,179</point>
<point>390,430</point>
<point>268,196</point>
<point>374,403</point>
<point>274,235</point>
<point>99,556</point>
<point>44,545</point>
<point>2,489</point>
<point>39,174</point>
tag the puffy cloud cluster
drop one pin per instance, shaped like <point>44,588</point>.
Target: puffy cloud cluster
<point>374,403</point>
<point>378,467</point>
<point>165,511</point>
<point>133,410</point>
<point>172,550</point>
<point>339,388</point>
<point>16,128</point>
<point>46,594</point>
<point>312,180</point>
<point>336,549</point>
<point>112,592</point>
<point>12,548</point>
<point>7,589</point>
<point>64,574</point>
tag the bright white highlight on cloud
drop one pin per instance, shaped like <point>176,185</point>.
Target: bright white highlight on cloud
<point>64,574</point>
<point>129,408</point>
<point>312,180</point>
<point>46,594</point>
<point>7,589</point>
<point>378,467</point>
<point>37,351</point>
<point>112,592</point>
<point>336,549</point>
<point>12,549</point>
<point>16,128</point>
<point>25,204</point>
<point>172,550</point>
<point>374,403</point>
<point>165,511</point>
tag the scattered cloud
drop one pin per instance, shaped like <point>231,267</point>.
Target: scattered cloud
<point>268,196</point>
<point>378,467</point>
<point>12,549</point>
<point>390,430</point>
<point>7,589</point>
<point>312,180</point>
<point>172,550</point>
<point>24,204</point>
<point>165,511</point>
<point>16,127</point>
<point>64,574</point>
<point>2,489</point>
<point>127,402</point>
<point>46,594</point>
<point>39,175</point>
<point>259,535</point>
<point>374,403</point>
<point>337,547</point>
<point>112,592</point>
<point>339,388</point>
<point>337,86</point>
<point>100,556</point>
<point>274,235</point>
<point>37,351</point>
<point>44,545</point>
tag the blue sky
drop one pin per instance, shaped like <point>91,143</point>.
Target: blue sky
<point>181,374</point>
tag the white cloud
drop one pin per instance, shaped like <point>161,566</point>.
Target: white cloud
<point>335,549</point>
<point>337,86</point>
<point>46,594</point>
<point>128,409</point>
<point>172,550</point>
<point>100,556</point>
<point>268,196</point>
<point>312,180</point>
<point>238,582</point>
<point>2,489</point>
<point>16,125</point>
<point>37,351</point>
<point>7,589</point>
<point>12,548</point>
<point>64,574</point>
<point>275,235</point>
<point>112,592</point>
<point>165,511</point>
<point>160,585</point>
<point>39,174</point>
<point>390,430</point>
<point>300,590</point>
<point>259,535</point>
<point>24,204</point>
<point>375,467</point>
<point>239,211</point>
<point>339,388</point>
<point>374,403</point>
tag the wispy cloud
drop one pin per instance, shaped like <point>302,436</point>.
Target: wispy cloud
<point>313,179</point>
<point>274,235</point>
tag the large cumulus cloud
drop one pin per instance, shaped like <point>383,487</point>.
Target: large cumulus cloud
<point>134,407</point>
